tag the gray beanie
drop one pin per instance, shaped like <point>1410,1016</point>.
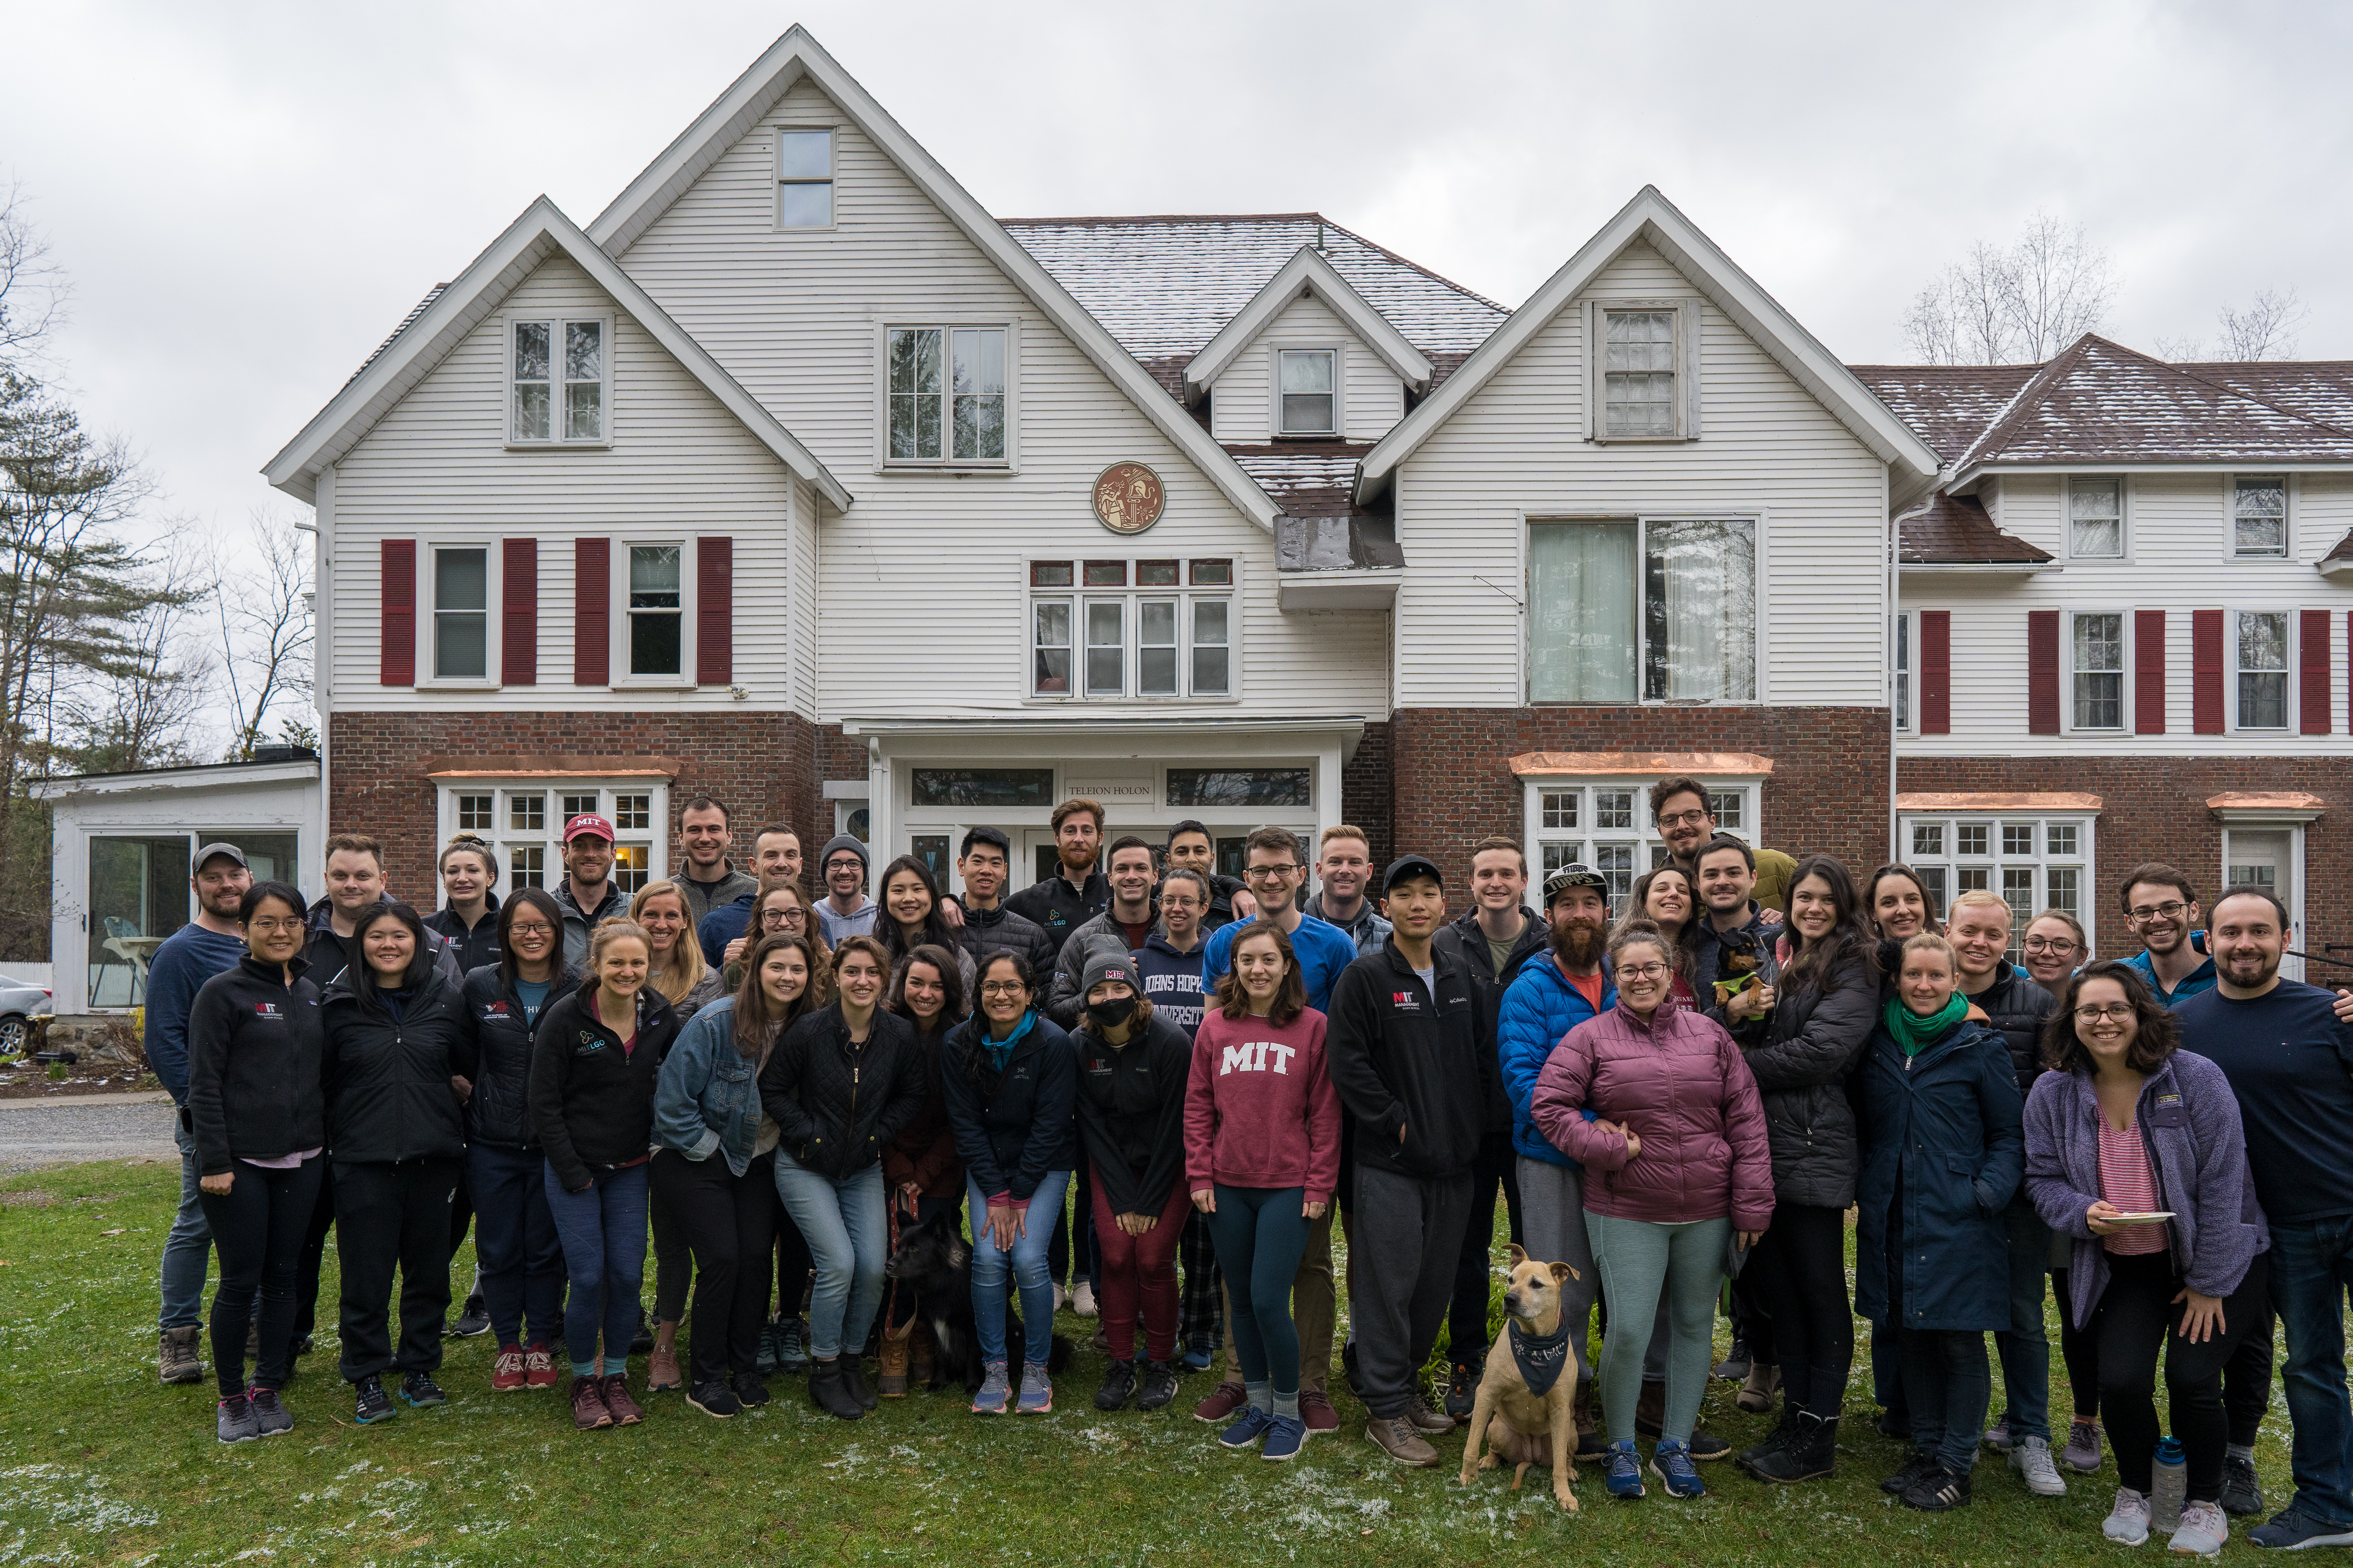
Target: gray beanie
<point>1108,964</point>
<point>842,841</point>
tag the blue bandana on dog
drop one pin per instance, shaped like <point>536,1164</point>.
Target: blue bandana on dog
<point>1541,1358</point>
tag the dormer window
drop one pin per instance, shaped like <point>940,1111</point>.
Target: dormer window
<point>803,179</point>
<point>1310,392</point>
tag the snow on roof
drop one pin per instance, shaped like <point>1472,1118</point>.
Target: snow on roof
<point>1304,479</point>
<point>1954,531</point>
<point>1950,404</point>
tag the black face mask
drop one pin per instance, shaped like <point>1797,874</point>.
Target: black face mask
<point>1111,1014</point>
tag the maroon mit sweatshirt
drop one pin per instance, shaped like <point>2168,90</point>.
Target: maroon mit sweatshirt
<point>1259,1109</point>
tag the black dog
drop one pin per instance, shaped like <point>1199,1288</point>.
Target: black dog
<point>936,1261</point>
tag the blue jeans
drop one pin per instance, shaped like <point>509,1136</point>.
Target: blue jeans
<point>1031,1275</point>
<point>2025,1346</point>
<point>603,1231</point>
<point>2311,1267</point>
<point>517,1260</point>
<point>188,1249</point>
<point>847,1225</point>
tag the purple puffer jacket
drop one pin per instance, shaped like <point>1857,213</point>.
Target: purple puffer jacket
<point>1680,1083</point>
<point>2188,1120</point>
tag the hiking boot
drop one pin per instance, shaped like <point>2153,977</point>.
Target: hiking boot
<point>417,1391</point>
<point>2128,1522</point>
<point>1588,1436</point>
<point>270,1416</point>
<point>661,1366</point>
<point>749,1389</point>
<point>1395,1436</point>
<point>1160,1387</point>
<point>1251,1426</point>
<point>1036,1392</point>
<point>714,1399</point>
<point>588,1411</point>
<point>1425,1419</point>
<point>616,1400</point>
<point>829,1394</point>
<point>235,1422</point>
<point>1315,1410</point>
<point>771,1344</point>
<point>1671,1463</point>
<point>2031,1458</point>
<point>1807,1450</point>
<point>1118,1386</point>
<point>1997,1437</point>
<point>1734,1368</point>
<point>1755,1395</point>
<point>792,1348</point>
<point>1774,1440</point>
<point>373,1405</point>
<point>1286,1435</point>
<point>538,1366</point>
<point>2242,1494</point>
<point>1623,1475</point>
<point>1901,1481</point>
<point>642,1342</point>
<point>1937,1489</point>
<point>997,1392</point>
<point>473,1318</point>
<point>506,1373</point>
<point>1083,1299</point>
<point>176,1357</point>
<point>2204,1531</point>
<point>891,1373</point>
<point>1461,1387</point>
<point>1227,1398</point>
<point>2081,1454</point>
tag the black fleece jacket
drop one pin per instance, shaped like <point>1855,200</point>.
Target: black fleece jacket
<point>1131,1102</point>
<point>836,1103</point>
<point>592,1102</point>
<point>492,1051</point>
<point>1466,943</point>
<point>1059,909</point>
<point>254,1047</point>
<point>387,1080</point>
<point>1013,1125</point>
<point>1404,1058</point>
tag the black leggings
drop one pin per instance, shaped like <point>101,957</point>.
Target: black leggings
<point>2136,1317</point>
<point>1799,1273</point>
<point>2077,1349</point>
<point>257,1227</point>
<point>1474,1265</point>
<point>723,1220</point>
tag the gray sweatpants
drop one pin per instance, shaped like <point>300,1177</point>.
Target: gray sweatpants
<point>1552,1226</point>
<point>1408,1233</point>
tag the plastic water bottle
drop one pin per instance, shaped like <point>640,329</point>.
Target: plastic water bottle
<point>2170,1480</point>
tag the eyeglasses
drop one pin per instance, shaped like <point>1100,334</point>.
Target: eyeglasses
<point>1641,971</point>
<point>2049,944</point>
<point>1002,988</point>
<point>783,917</point>
<point>1261,873</point>
<point>1697,818</point>
<point>2119,1011</point>
<point>266,925</point>
<point>530,928</point>
<point>2166,910</point>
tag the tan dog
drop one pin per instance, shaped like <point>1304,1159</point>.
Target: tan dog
<point>1527,1429</point>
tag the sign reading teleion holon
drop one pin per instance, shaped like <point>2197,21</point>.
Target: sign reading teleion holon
<point>1113,791</point>
<point>1129,498</point>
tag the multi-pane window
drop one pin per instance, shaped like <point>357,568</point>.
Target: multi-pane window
<point>1903,693</point>
<point>656,610</point>
<point>2263,670</point>
<point>803,179</point>
<point>1638,375</point>
<point>1131,628</point>
<point>525,825</point>
<point>1311,397</point>
<point>947,394</point>
<point>2033,863</point>
<point>2259,517</point>
<point>2099,650</point>
<point>1665,607</point>
<point>1607,826</point>
<point>557,378</point>
<point>461,614</point>
<point>2095,518</point>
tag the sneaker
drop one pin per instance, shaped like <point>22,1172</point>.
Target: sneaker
<point>624,1409</point>
<point>2242,1494</point>
<point>2031,1458</point>
<point>1938,1490</point>
<point>1198,1355</point>
<point>268,1414</point>
<point>474,1319</point>
<point>1286,1435</point>
<point>374,1403</point>
<point>235,1422</point>
<point>749,1389</point>
<point>2204,1530</point>
<point>995,1392</point>
<point>1901,1481</point>
<point>661,1368</point>
<point>1425,1419</point>
<point>1118,1386</point>
<point>2081,1453</point>
<point>1348,1369</point>
<point>1083,1299</point>
<point>792,1348</point>
<point>1671,1463</point>
<point>1036,1392</point>
<point>1623,1475</point>
<point>1395,1436</point>
<point>714,1399</point>
<point>1227,1398</point>
<point>1249,1429</point>
<point>2128,1522</point>
<point>588,1411</point>
<point>417,1391</point>
<point>1461,1389</point>
<point>538,1366</point>
<point>2290,1531</point>
<point>176,1360</point>
<point>1734,1368</point>
<point>1159,1389</point>
<point>506,1373</point>
<point>1316,1409</point>
<point>771,1344</point>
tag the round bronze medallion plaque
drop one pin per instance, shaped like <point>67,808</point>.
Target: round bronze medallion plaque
<point>1129,498</point>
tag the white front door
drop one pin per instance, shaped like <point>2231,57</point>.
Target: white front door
<point>2267,858</point>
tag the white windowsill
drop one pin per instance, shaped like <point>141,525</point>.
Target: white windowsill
<point>603,445</point>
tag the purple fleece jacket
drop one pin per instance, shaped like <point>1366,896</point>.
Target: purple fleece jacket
<point>2188,1120</point>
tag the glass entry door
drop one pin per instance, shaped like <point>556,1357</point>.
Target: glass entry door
<point>137,896</point>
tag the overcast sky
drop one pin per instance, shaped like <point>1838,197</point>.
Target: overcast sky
<point>249,197</point>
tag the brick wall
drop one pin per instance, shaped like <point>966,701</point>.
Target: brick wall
<point>1452,783</point>
<point>1365,786</point>
<point>2154,808</point>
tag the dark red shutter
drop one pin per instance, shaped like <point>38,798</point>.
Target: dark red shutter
<point>2312,699</point>
<point>396,661</point>
<point>2042,672</point>
<point>2148,672</point>
<point>592,612</point>
<point>1935,672</point>
<point>714,611</point>
<point>2206,673</point>
<point>519,613</point>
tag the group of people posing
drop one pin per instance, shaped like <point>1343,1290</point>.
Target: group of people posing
<point>1698,1087</point>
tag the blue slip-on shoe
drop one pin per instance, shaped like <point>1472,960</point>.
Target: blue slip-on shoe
<point>1286,1435</point>
<point>1253,1424</point>
<point>1622,1472</point>
<point>1671,1463</point>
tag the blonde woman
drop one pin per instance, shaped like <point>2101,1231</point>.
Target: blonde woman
<point>689,985</point>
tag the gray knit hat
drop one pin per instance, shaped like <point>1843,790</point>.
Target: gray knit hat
<point>843,841</point>
<point>1110,965</point>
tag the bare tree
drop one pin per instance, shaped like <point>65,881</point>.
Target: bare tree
<point>140,711</point>
<point>266,628</point>
<point>2023,303</point>
<point>33,289</point>
<point>2264,329</point>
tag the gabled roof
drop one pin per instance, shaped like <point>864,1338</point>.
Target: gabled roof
<point>797,55</point>
<point>1948,405</point>
<point>1650,217</point>
<point>451,311</point>
<point>1307,272</point>
<point>1954,531</point>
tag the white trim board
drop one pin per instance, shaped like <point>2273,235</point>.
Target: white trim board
<point>1307,272</point>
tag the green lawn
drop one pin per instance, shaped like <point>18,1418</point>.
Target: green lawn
<point>99,1463</point>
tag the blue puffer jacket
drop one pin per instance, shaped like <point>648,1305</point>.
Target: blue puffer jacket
<point>1539,1009</point>
<point>707,1100</point>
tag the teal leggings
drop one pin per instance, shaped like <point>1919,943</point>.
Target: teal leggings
<point>1638,1259</point>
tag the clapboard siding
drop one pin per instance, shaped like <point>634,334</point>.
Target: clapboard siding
<point>435,470</point>
<point>1242,402</point>
<point>1517,450</point>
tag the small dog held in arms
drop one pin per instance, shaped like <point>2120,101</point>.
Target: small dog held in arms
<point>1524,1411</point>
<point>934,1260</point>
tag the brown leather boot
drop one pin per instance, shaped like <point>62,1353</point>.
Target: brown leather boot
<point>893,1382</point>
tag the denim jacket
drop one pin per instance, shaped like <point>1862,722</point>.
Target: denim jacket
<point>708,1097</point>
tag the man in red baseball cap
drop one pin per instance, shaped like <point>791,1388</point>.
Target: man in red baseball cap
<point>587,893</point>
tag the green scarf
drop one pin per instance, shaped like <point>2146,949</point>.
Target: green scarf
<point>1916,1034</point>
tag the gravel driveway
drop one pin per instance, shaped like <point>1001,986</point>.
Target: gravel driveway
<point>68,1132</point>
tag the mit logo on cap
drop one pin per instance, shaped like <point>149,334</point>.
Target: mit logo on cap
<point>588,824</point>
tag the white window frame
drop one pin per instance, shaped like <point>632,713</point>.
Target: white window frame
<point>1756,518</point>
<point>1339,352</point>
<point>555,322</point>
<point>1687,361</point>
<point>428,620</point>
<point>1188,597</point>
<point>2291,647</point>
<point>1948,860</point>
<point>947,326</point>
<point>652,841</point>
<point>2124,515</point>
<point>618,612</point>
<point>2074,724</point>
<point>778,180</point>
<point>1904,666</point>
<point>2231,482</point>
<point>1648,850</point>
